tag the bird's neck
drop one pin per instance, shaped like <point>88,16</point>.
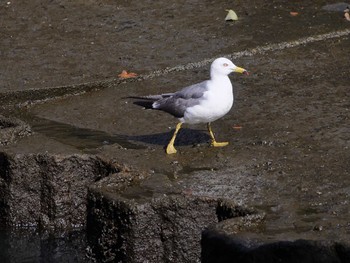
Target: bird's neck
<point>219,77</point>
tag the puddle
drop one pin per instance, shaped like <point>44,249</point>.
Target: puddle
<point>87,139</point>
<point>80,138</point>
<point>189,169</point>
<point>138,193</point>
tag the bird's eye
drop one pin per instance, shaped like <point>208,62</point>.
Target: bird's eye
<point>225,65</point>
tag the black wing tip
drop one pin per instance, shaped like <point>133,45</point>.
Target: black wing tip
<point>147,104</point>
<point>138,98</point>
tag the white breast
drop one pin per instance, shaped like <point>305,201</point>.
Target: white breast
<point>216,103</point>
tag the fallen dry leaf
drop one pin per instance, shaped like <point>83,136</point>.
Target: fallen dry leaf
<point>347,16</point>
<point>231,15</point>
<point>126,75</point>
<point>293,13</point>
<point>237,127</point>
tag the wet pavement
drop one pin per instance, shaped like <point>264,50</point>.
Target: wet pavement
<point>288,130</point>
<point>65,43</point>
<point>291,149</point>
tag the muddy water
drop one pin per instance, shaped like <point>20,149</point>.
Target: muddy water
<point>80,138</point>
<point>28,245</point>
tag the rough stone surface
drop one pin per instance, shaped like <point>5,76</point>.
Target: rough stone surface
<point>12,129</point>
<point>165,229</point>
<point>45,190</point>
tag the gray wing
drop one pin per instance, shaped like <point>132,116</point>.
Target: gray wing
<point>177,103</point>
<point>151,97</point>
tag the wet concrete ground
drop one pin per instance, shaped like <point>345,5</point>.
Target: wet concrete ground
<point>48,44</point>
<point>290,157</point>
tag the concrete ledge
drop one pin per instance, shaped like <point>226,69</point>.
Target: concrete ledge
<point>163,229</point>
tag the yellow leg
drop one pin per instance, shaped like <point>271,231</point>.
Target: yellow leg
<point>213,141</point>
<point>170,149</point>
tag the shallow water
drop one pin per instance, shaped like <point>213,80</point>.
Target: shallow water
<point>80,138</point>
<point>28,245</point>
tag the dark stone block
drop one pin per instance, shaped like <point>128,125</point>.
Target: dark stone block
<point>218,247</point>
<point>47,191</point>
<point>162,229</point>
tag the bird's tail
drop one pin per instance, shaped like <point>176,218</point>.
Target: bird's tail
<point>151,97</point>
<point>149,100</point>
<point>144,101</point>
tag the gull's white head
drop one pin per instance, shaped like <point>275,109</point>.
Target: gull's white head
<point>223,67</point>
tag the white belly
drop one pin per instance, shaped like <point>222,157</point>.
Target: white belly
<point>210,110</point>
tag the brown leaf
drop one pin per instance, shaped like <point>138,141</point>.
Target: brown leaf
<point>293,13</point>
<point>347,16</point>
<point>126,75</point>
<point>237,127</point>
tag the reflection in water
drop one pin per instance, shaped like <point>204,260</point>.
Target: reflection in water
<point>28,245</point>
<point>83,138</point>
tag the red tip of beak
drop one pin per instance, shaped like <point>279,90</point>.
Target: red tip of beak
<point>246,73</point>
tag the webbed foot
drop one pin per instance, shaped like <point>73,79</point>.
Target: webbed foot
<point>219,144</point>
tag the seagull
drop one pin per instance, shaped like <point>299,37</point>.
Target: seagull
<point>203,102</point>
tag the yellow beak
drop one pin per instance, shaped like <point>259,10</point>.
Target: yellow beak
<point>241,70</point>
